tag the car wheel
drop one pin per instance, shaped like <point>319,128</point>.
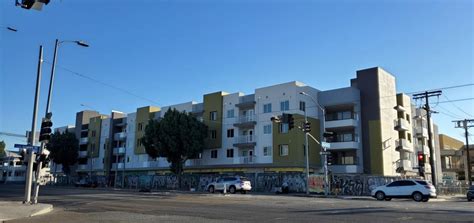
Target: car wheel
<point>388,198</point>
<point>211,189</point>
<point>380,195</point>
<point>417,196</point>
<point>232,189</point>
<point>243,191</point>
<point>469,199</point>
<point>425,200</point>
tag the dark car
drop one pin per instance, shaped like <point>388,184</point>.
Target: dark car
<point>470,193</point>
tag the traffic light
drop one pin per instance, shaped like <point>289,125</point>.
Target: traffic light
<point>288,118</point>
<point>307,127</point>
<point>329,159</point>
<point>421,163</point>
<point>32,4</point>
<point>45,132</point>
<point>291,122</point>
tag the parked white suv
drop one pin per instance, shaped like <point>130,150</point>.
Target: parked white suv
<point>232,184</point>
<point>419,190</point>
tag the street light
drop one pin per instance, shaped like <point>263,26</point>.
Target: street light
<point>326,180</point>
<point>48,104</point>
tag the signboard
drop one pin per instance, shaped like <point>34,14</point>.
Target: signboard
<point>326,145</point>
<point>28,147</point>
<point>316,183</point>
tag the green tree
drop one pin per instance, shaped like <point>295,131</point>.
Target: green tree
<point>178,136</point>
<point>63,149</point>
<point>2,148</point>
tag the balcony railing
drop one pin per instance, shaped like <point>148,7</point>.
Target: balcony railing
<point>401,125</point>
<point>246,121</point>
<point>247,101</point>
<point>246,141</point>
<point>117,165</point>
<point>421,132</point>
<point>83,140</point>
<point>120,136</point>
<point>335,123</point>
<point>247,159</point>
<point>404,165</point>
<point>82,154</point>
<point>119,150</point>
<point>403,144</point>
<point>82,167</point>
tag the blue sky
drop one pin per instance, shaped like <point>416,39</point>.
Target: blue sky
<point>175,51</point>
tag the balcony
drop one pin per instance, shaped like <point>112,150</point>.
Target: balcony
<point>403,144</point>
<point>403,166</point>
<point>117,165</point>
<point>248,141</point>
<point>82,154</point>
<point>83,141</point>
<point>344,145</point>
<point>120,136</point>
<point>341,123</point>
<point>119,151</point>
<point>421,132</point>
<point>247,121</point>
<point>247,101</point>
<point>82,167</point>
<point>402,125</point>
<point>247,159</point>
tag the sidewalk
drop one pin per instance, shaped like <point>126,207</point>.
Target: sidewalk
<point>10,210</point>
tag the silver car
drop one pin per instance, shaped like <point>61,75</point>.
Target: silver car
<point>231,184</point>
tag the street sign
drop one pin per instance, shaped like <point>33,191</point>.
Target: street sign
<point>326,145</point>
<point>325,153</point>
<point>28,147</point>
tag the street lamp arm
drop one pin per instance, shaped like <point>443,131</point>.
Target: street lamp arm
<point>314,138</point>
<point>314,100</point>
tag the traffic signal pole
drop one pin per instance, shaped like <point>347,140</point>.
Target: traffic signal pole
<point>48,104</point>
<point>31,140</point>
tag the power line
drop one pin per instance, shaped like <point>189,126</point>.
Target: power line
<point>463,99</point>
<point>457,106</point>
<point>443,88</point>
<point>106,84</point>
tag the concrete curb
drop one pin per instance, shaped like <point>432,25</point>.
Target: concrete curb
<point>19,211</point>
<point>46,210</point>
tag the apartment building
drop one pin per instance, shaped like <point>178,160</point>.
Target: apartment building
<point>452,162</point>
<point>374,128</point>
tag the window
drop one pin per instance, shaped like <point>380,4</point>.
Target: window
<point>230,113</point>
<point>345,137</point>
<point>285,105</point>
<point>267,151</point>
<point>302,106</point>
<point>394,184</point>
<point>284,127</point>
<point>140,126</point>
<point>267,108</point>
<point>283,150</point>
<point>407,183</point>
<point>213,115</point>
<point>230,133</point>
<point>339,115</point>
<point>213,134</point>
<point>230,153</point>
<point>267,129</point>
<point>93,133</point>
<point>214,154</point>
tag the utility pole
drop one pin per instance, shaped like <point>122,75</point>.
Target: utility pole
<point>426,95</point>
<point>465,125</point>
<point>31,155</point>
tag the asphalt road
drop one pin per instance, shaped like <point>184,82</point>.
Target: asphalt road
<point>98,205</point>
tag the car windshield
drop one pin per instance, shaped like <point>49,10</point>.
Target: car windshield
<point>422,182</point>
